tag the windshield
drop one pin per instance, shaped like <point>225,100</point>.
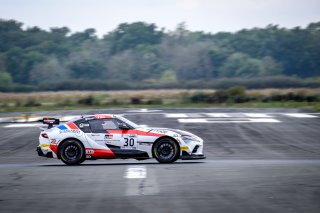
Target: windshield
<point>130,123</point>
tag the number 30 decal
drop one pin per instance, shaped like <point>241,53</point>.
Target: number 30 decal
<point>128,142</point>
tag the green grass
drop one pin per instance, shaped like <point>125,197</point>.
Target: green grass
<point>74,100</point>
<point>304,105</point>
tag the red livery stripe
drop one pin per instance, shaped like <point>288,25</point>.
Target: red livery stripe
<point>143,133</point>
<point>134,132</point>
<point>101,153</point>
<point>72,125</point>
<point>120,131</point>
<point>54,148</point>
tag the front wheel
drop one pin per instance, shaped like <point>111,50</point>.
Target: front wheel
<point>72,152</point>
<point>166,150</point>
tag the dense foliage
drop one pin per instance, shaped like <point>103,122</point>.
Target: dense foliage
<point>140,55</point>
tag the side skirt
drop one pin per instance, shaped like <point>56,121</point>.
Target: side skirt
<point>128,153</point>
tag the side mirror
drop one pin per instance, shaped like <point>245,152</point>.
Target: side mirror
<point>123,126</point>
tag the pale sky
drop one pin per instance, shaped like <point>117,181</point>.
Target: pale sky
<point>199,15</point>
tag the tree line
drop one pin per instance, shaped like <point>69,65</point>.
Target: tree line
<point>139,55</point>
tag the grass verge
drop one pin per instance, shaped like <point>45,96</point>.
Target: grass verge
<point>232,97</point>
<point>304,105</point>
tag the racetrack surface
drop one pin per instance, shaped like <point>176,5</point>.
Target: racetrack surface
<point>258,160</point>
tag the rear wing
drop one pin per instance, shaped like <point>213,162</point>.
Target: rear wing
<point>50,122</point>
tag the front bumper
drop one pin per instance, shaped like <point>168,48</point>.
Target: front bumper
<point>187,156</point>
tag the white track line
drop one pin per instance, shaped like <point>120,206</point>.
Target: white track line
<point>176,115</point>
<point>31,119</point>
<point>138,184</point>
<point>300,115</point>
<point>34,119</point>
<point>249,120</point>
<point>23,125</point>
<point>3,119</point>
<point>136,172</point>
<point>193,120</point>
<point>264,120</point>
<point>68,118</point>
<point>218,115</point>
<point>257,115</point>
<point>144,110</point>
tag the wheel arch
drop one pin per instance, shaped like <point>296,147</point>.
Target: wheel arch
<point>66,139</point>
<point>162,137</point>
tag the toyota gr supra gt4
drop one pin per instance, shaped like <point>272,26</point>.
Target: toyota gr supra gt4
<point>105,136</point>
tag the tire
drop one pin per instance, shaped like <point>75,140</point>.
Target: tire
<point>72,152</point>
<point>166,150</point>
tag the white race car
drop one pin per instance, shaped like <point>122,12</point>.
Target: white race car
<point>105,136</point>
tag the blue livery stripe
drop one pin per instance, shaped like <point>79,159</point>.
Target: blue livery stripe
<point>62,127</point>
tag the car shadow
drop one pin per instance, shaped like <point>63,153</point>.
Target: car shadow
<point>120,164</point>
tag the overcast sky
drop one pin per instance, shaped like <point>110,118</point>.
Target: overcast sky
<point>199,15</point>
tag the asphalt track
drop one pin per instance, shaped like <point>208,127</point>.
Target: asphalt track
<point>266,165</point>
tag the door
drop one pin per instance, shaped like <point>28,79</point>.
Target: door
<point>106,132</point>
<point>122,142</point>
<point>102,131</point>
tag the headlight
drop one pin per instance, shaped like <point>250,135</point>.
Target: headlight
<point>187,138</point>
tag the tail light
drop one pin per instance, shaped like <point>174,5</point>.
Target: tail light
<point>44,135</point>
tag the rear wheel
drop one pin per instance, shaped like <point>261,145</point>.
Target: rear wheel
<point>166,150</point>
<point>72,152</point>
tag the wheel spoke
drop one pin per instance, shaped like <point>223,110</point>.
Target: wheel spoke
<point>71,152</point>
<point>166,150</point>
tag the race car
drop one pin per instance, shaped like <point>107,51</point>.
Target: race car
<point>106,136</point>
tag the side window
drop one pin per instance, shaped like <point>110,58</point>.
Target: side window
<point>101,125</point>
<point>83,125</point>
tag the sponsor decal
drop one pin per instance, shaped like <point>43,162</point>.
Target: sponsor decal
<point>108,136</point>
<point>81,125</point>
<point>100,140</point>
<point>102,153</point>
<point>79,134</point>
<point>109,141</point>
<point>101,116</point>
<point>53,141</point>
<point>70,131</point>
<point>128,147</point>
<point>130,136</point>
<point>89,151</point>
<point>161,131</point>
<point>145,143</point>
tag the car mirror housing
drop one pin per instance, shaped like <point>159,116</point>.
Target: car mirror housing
<point>123,126</point>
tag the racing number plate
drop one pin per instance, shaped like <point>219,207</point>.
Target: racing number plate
<point>129,142</point>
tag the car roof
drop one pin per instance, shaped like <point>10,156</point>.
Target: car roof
<point>99,116</point>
